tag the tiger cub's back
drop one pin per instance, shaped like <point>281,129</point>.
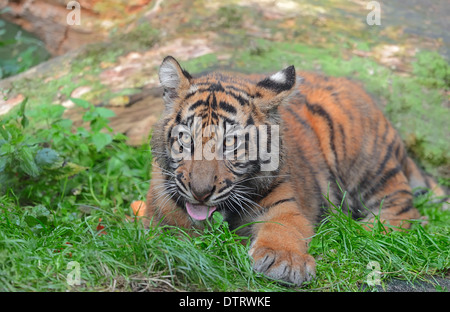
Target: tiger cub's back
<point>339,140</point>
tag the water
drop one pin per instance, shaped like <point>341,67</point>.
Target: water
<point>19,50</point>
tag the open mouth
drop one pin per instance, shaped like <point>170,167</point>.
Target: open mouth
<point>199,212</point>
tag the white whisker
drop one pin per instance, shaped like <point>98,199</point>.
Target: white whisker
<point>248,202</point>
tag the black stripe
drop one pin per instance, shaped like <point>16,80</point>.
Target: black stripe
<point>234,172</point>
<point>197,104</point>
<point>227,185</point>
<point>386,130</point>
<point>178,118</point>
<point>398,151</point>
<point>344,138</point>
<point>213,102</point>
<point>375,149</point>
<point>202,90</point>
<point>368,172</point>
<point>307,126</point>
<point>306,162</point>
<point>249,121</point>
<point>237,89</point>
<point>386,158</point>
<point>169,133</point>
<point>227,107</point>
<point>391,200</point>
<point>303,122</point>
<point>214,116</point>
<point>238,98</point>
<point>190,120</point>
<point>190,95</point>
<point>332,177</point>
<point>383,180</point>
<point>216,87</point>
<point>222,195</point>
<point>313,173</point>
<point>227,121</point>
<point>318,110</point>
<point>347,112</point>
<point>405,209</point>
<point>406,192</point>
<point>180,190</point>
<point>243,165</point>
<point>281,201</point>
<point>211,194</point>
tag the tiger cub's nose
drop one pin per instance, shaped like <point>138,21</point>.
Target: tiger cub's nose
<point>202,192</point>
<point>203,176</point>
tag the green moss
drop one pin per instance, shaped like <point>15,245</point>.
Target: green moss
<point>230,16</point>
<point>84,69</point>
<point>141,37</point>
<point>432,70</point>
<point>202,63</point>
<point>93,55</point>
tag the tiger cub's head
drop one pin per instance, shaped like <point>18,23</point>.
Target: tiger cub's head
<point>218,144</point>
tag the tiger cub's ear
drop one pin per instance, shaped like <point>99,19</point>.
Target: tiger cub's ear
<point>274,90</point>
<point>174,79</point>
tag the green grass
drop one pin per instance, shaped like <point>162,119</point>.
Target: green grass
<point>129,258</point>
<point>125,258</point>
<point>50,215</point>
<point>346,249</point>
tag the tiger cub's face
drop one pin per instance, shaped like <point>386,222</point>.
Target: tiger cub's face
<point>218,136</point>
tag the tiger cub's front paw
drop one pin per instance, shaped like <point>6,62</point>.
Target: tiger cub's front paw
<point>289,266</point>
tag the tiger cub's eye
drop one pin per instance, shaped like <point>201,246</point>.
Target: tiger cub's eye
<point>230,141</point>
<point>185,139</point>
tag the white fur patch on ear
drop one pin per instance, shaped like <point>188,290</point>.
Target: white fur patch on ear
<point>169,74</point>
<point>279,77</point>
<point>284,80</point>
<point>174,80</point>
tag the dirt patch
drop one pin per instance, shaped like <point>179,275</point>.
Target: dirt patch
<point>434,284</point>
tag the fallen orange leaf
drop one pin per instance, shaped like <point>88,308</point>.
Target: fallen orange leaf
<point>100,228</point>
<point>138,207</point>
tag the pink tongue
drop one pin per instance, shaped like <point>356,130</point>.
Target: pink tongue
<point>199,212</point>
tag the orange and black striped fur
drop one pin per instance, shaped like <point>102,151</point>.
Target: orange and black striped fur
<point>333,138</point>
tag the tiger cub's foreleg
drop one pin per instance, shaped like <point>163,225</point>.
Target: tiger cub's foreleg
<point>280,243</point>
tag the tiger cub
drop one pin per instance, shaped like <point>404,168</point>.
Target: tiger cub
<point>271,151</point>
